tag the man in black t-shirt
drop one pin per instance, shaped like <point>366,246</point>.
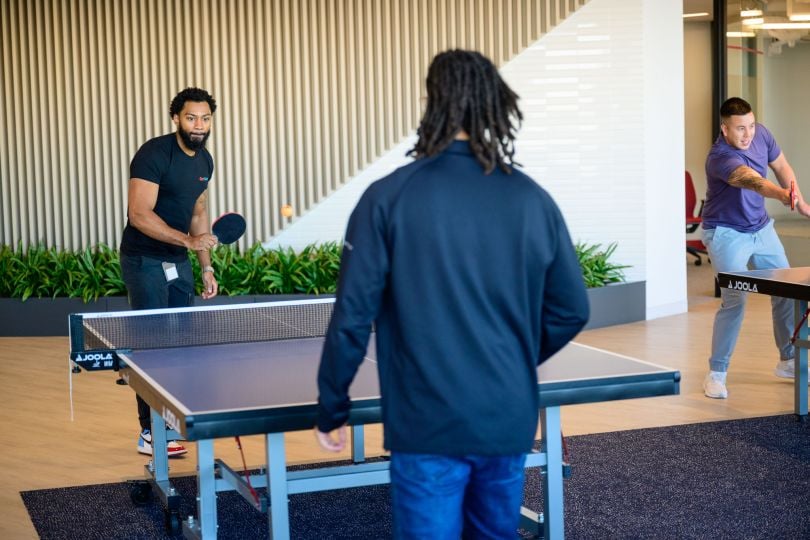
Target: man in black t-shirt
<point>167,215</point>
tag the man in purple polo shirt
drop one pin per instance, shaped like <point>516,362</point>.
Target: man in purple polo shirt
<point>739,234</point>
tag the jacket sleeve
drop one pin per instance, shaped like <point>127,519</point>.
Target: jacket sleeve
<point>565,301</point>
<point>363,275</point>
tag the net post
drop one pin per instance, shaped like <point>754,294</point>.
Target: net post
<point>76,333</point>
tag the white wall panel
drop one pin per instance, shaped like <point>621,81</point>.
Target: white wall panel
<point>309,91</point>
<point>602,97</point>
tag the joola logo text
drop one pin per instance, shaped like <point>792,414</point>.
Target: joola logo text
<point>170,418</point>
<point>742,286</point>
<point>94,357</point>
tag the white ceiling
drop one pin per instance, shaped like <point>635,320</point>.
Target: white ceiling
<point>772,9</point>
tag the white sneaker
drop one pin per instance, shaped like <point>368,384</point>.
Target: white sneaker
<point>173,448</point>
<point>714,385</point>
<point>785,369</point>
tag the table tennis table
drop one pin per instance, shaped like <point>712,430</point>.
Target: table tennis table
<point>247,369</point>
<point>793,284</point>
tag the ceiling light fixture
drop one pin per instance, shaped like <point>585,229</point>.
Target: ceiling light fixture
<point>785,26</point>
<point>798,10</point>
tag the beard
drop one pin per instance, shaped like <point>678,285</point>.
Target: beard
<point>193,141</point>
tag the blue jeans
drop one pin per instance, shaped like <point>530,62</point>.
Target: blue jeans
<point>732,251</point>
<point>147,288</point>
<point>447,497</point>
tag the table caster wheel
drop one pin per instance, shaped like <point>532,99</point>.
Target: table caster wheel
<point>140,493</point>
<point>174,525</point>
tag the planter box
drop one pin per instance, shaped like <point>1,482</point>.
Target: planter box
<point>618,303</point>
<point>48,316</point>
<point>615,304</point>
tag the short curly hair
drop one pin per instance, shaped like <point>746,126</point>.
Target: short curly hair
<point>191,94</point>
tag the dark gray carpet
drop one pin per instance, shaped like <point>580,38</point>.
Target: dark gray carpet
<point>737,479</point>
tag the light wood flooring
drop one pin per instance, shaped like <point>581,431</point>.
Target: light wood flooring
<point>41,447</point>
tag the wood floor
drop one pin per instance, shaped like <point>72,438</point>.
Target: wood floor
<point>42,447</point>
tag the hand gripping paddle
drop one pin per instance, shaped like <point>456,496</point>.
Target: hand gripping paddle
<point>792,195</point>
<point>229,227</point>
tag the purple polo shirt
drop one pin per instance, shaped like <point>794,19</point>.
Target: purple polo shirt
<point>727,206</point>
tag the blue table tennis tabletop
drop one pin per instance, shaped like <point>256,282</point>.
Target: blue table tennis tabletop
<point>240,389</point>
<point>208,376</point>
<point>794,284</point>
<point>785,282</point>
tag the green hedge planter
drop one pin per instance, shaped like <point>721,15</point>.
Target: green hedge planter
<point>34,299</point>
<point>610,305</point>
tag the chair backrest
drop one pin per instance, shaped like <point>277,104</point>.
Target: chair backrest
<point>691,196</point>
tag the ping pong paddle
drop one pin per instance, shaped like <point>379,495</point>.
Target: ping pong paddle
<point>229,227</point>
<point>792,195</point>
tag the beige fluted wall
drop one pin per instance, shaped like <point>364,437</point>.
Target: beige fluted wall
<point>309,93</point>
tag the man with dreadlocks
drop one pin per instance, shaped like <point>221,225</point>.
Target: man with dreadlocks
<point>467,270</point>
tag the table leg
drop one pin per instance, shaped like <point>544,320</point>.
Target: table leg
<point>278,516</point>
<point>800,360</point>
<point>160,456</point>
<point>551,439</point>
<point>206,489</point>
<point>358,444</point>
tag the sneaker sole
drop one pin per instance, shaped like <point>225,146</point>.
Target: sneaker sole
<point>170,454</point>
<point>783,374</point>
<point>715,396</point>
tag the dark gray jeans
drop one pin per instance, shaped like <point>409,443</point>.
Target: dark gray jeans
<point>147,288</point>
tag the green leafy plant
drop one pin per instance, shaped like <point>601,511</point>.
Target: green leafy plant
<point>95,272</point>
<point>41,272</point>
<point>314,270</point>
<point>597,269</point>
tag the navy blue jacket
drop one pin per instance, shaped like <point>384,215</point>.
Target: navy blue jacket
<point>472,281</point>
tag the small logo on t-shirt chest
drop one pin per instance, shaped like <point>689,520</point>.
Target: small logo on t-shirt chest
<point>203,179</point>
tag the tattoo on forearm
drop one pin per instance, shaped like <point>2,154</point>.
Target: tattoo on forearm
<point>751,183</point>
<point>746,178</point>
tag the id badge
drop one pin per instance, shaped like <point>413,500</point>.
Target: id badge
<point>170,269</point>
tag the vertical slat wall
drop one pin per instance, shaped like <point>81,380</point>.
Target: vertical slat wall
<point>309,93</point>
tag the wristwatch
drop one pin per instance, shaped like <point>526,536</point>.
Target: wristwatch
<point>208,269</point>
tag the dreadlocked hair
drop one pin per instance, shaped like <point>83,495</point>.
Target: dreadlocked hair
<point>465,92</point>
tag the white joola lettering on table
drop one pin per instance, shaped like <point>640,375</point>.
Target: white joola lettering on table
<point>95,356</point>
<point>97,359</point>
<point>742,286</point>
<point>170,418</point>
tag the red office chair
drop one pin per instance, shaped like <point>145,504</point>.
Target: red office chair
<point>693,247</point>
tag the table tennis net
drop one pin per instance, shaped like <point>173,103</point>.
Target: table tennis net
<point>194,326</point>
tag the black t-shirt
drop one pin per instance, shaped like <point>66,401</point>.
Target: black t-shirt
<point>182,179</point>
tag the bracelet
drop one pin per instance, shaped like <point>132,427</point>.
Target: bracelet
<point>208,269</point>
